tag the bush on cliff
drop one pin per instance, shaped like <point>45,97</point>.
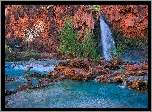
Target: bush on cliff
<point>30,53</point>
<point>96,7</point>
<point>70,45</point>
<point>89,46</point>
<point>10,55</point>
<point>123,43</point>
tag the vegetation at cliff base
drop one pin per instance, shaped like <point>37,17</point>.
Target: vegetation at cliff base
<point>71,47</point>
<point>11,55</point>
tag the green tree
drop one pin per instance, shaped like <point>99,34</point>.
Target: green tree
<point>69,43</point>
<point>71,47</point>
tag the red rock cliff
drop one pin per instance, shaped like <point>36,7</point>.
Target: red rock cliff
<point>130,20</point>
<point>38,25</point>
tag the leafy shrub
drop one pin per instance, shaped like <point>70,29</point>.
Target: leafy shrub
<point>96,7</point>
<point>30,53</point>
<point>89,46</point>
<point>123,43</point>
<point>70,45</point>
<point>13,42</point>
<point>10,55</point>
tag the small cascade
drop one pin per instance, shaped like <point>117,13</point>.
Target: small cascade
<point>38,66</point>
<point>108,44</point>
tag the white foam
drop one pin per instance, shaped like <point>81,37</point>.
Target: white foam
<point>121,86</point>
<point>20,79</point>
<point>36,67</point>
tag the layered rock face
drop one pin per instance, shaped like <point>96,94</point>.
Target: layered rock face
<point>36,26</point>
<point>130,20</point>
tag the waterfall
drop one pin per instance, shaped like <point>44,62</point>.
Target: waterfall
<point>108,44</point>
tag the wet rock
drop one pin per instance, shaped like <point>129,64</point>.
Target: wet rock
<point>130,73</point>
<point>132,67</point>
<point>54,74</point>
<point>110,78</point>
<point>144,66</point>
<point>142,72</point>
<point>137,82</point>
<point>103,78</point>
<point>22,87</point>
<point>75,69</point>
<point>9,80</point>
<point>29,82</point>
<point>28,69</point>
<point>35,74</point>
<point>41,83</point>
<point>9,92</point>
<point>114,63</point>
<point>32,75</point>
<point>119,79</point>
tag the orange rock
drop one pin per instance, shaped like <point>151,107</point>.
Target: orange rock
<point>144,66</point>
<point>130,20</point>
<point>118,79</point>
<point>132,67</point>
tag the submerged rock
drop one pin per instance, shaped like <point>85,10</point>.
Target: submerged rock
<point>9,92</point>
<point>9,79</point>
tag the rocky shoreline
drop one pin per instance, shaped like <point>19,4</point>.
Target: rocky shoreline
<point>129,74</point>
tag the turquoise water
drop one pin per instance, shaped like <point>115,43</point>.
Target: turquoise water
<point>74,94</point>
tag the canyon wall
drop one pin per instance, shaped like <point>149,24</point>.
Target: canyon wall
<point>36,26</point>
<point>130,20</point>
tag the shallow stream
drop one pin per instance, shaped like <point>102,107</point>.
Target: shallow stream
<point>69,93</point>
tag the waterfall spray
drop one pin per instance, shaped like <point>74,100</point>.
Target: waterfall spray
<point>108,44</point>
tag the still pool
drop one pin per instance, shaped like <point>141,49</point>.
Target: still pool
<point>73,94</point>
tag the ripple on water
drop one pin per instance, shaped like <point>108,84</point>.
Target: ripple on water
<point>68,94</point>
<point>77,94</point>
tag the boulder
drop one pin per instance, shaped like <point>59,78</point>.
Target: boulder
<point>103,78</point>
<point>75,69</point>
<point>114,63</point>
<point>9,79</point>
<point>132,67</point>
<point>28,69</point>
<point>119,79</point>
<point>144,66</point>
<point>22,87</point>
<point>137,82</point>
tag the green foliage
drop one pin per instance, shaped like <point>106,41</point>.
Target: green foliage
<point>70,45</point>
<point>30,53</point>
<point>13,42</point>
<point>123,43</point>
<point>10,55</point>
<point>89,46</point>
<point>96,7</point>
